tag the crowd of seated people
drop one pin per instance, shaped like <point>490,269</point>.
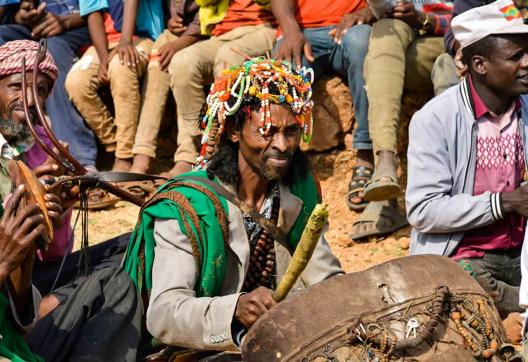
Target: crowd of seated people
<point>466,160</point>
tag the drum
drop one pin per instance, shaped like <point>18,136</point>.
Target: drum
<point>416,308</point>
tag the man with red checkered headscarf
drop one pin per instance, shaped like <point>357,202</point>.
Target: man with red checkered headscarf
<point>72,318</point>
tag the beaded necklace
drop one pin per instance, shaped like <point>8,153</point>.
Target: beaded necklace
<point>261,269</point>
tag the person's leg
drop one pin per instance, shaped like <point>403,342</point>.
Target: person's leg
<point>250,40</point>
<point>348,59</point>
<point>444,73</point>
<point>154,99</point>
<point>82,84</point>
<point>321,47</point>
<point>99,321</point>
<point>66,122</point>
<point>106,254</point>
<point>493,273</point>
<point>12,32</point>
<point>385,66</point>
<point>421,57</point>
<point>189,72</point>
<point>126,93</point>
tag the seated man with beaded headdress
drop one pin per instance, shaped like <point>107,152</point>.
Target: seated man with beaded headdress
<point>207,265</point>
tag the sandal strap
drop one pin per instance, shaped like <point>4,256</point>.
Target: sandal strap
<point>362,171</point>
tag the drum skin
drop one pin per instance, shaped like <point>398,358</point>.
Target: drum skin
<point>315,324</point>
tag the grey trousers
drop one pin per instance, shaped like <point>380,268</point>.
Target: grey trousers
<point>500,273</point>
<point>99,321</point>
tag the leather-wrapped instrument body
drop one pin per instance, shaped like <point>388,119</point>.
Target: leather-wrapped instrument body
<point>417,308</point>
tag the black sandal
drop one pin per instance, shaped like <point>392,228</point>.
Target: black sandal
<point>360,176</point>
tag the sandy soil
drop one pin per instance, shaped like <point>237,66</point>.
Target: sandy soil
<point>334,171</point>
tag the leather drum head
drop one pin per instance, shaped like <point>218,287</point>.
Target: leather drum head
<point>20,174</point>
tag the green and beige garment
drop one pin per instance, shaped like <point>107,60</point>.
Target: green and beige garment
<point>202,215</point>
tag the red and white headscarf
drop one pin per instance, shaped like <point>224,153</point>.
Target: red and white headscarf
<point>12,53</point>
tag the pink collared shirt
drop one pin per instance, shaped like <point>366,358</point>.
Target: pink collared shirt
<point>500,167</point>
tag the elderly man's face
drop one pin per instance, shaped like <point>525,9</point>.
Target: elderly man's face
<point>507,66</point>
<point>12,117</point>
<point>269,155</point>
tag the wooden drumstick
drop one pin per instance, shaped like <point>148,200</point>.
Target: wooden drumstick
<point>310,236</point>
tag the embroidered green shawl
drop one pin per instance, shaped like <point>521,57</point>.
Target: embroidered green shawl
<point>140,253</point>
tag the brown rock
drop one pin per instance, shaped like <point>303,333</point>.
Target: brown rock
<point>333,114</point>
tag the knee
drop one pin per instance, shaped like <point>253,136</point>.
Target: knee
<point>77,85</point>
<point>389,27</point>
<point>183,68</point>
<point>356,41</point>
<point>123,79</point>
<point>226,57</point>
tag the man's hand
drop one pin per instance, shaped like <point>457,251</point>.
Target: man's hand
<point>62,197</point>
<point>50,25</point>
<point>167,51</point>
<point>516,201</point>
<point>127,52</point>
<point>513,326</point>
<point>19,229</point>
<point>363,16</point>
<point>27,15</point>
<point>175,25</point>
<point>252,306</point>
<point>406,12</point>
<point>293,46</point>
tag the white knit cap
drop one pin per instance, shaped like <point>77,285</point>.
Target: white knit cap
<point>499,17</point>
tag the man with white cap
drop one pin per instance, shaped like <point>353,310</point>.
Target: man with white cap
<point>466,159</point>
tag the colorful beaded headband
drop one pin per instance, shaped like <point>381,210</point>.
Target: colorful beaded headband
<point>254,79</point>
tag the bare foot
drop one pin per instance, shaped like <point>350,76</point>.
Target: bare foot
<point>122,164</point>
<point>141,164</point>
<point>47,305</point>
<point>513,326</point>
<point>179,168</point>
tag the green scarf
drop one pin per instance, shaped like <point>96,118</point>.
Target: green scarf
<point>12,343</point>
<point>212,263</point>
<point>213,11</point>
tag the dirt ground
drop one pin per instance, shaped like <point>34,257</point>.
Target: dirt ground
<point>334,170</point>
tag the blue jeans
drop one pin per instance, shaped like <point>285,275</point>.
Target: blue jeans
<point>347,60</point>
<point>67,123</point>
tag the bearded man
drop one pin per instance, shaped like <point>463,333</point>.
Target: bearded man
<point>72,316</point>
<point>201,249</point>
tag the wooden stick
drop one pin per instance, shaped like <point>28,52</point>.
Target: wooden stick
<point>310,236</point>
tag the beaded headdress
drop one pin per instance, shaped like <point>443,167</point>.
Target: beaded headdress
<point>266,80</point>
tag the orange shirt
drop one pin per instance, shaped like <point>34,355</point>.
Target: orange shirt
<point>242,13</point>
<point>319,13</point>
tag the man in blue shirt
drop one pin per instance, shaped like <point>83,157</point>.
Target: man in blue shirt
<point>60,22</point>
